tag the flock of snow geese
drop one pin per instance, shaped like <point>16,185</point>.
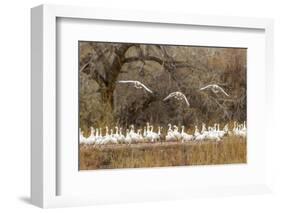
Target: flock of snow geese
<point>177,95</point>
<point>173,134</point>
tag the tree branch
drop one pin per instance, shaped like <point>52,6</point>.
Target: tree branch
<point>92,71</point>
<point>101,57</point>
<point>144,58</point>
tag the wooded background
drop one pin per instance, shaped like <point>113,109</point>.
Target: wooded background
<point>163,69</point>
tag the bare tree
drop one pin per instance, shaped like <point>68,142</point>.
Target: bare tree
<point>187,69</point>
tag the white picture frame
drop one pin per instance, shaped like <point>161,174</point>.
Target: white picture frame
<point>44,154</point>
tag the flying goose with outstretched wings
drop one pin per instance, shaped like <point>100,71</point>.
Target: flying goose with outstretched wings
<point>215,88</point>
<point>136,84</point>
<point>177,95</point>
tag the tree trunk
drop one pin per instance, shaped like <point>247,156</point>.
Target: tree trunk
<point>107,97</point>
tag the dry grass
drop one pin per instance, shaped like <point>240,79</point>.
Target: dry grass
<point>230,150</point>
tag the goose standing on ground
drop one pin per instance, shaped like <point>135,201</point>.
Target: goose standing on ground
<point>139,137</point>
<point>144,134</point>
<point>176,133</point>
<point>106,138</point>
<point>236,129</point>
<point>240,130</point>
<point>137,85</point>
<point>112,138</point>
<point>184,136</point>
<point>128,139</point>
<point>155,136</point>
<point>150,135</point>
<point>121,137</point>
<point>170,134</point>
<point>83,140</point>
<point>118,135</point>
<point>244,129</point>
<point>133,135</point>
<point>99,137</point>
<point>196,131</point>
<point>213,134</point>
<point>215,88</point>
<point>226,130</point>
<point>220,133</point>
<point>204,129</point>
<point>198,136</point>
<point>91,139</point>
<point>158,136</point>
<point>179,96</point>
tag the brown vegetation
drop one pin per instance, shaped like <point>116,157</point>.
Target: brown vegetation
<point>164,69</point>
<point>229,150</point>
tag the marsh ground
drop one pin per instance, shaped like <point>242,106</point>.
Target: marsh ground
<point>230,150</point>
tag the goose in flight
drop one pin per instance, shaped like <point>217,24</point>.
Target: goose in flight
<point>137,85</point>
<point>215,88</point>
<point>177,95</point>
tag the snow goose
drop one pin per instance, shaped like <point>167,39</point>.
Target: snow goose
<point>140,137</point>
<point>133,135</point>
<point>170,135</point>
<point>198,136</point>
<point>128,139</point>
<point>82,139</point>
<point>204,129</point>
<point>121,137</point>
<point>155,136</point>
<point>184,136</point>
<point>176,133</point>
<point>112,137</point>
<point>241,131</point>
<point>220,133</point>
<point>226,130</point>
<point>215,88</point>
<point>196,131</point>
<point>106,138</point>
<point>158,136</point>
<point>92,138</point>
<point>179,96</point>
<point>244,127</point>
<point>213,135</point>
<point>147,133</point>
<point>137,85</point>
<point>235,129</point>
<point>99,137</point>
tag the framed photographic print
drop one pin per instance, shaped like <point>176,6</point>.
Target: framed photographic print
<point>149,106</point>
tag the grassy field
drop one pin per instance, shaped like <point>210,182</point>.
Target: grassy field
<point>229,150</point>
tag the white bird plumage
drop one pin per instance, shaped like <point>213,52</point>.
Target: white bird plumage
<point>184,136</point>
<point>83,140</point>
<point>177,95</point>
<point>170,134</point>
<point>215,88</point>
<point>173,134</point>
<point>137,85</point>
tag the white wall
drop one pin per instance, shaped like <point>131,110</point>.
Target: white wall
<point>15,98</point>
